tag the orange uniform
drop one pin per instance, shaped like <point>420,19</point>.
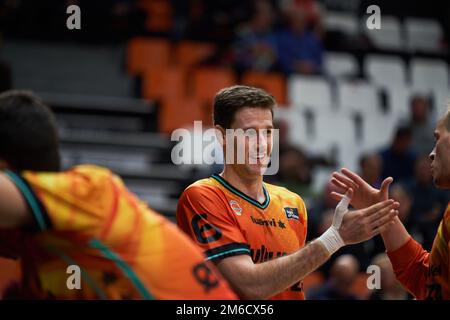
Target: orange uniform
<point>225,222</point>
<point>426,275</point>
<point>87,218</point>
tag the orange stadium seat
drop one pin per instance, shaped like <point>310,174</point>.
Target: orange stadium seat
<point>10,272</point>
<point>179,112</point>
<point>272,82</point>
<point>145,54</point>
<point>164,82</point>
<point>208,80</point>
<point>159,15</point>
<point>189,53</point>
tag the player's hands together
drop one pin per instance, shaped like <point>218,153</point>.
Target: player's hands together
<point>354,226</point>
<point>364,195</point>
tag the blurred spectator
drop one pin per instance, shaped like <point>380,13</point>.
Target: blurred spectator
<point>399,157</point>
<point>371,168</point>
<point>311,8</point>
<point>427,201</point>
<point>342,278</point>
<point>390,289</point>
<point>299,49</point>
<point>255,46</point>
<point>295,172</point>
<point>400,194</point>
<point>422,126</point>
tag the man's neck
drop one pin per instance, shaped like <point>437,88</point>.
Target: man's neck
<point>252,187</point>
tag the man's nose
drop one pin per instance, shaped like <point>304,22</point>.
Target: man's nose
<point>432,154</point>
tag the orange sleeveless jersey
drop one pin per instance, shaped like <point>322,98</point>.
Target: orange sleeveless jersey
<point>225,222</point>
<point>124,250</point>
<point>426,275</point>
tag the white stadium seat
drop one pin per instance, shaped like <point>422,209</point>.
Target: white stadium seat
<point>429,74</point>
<point>340,64</point>
<point>389,36</point>
<point>423,35</point>
<point>385,71</point>
<point>358,96</point>
<point>343,22</point>
<point>310,91</point>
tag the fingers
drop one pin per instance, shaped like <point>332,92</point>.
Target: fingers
<point>353,176</point>
<point>336,195</point>
<point>377,207</point>
<point>375,217</point>
<point>385,216</point>
<point>382,228</point>
<point>348,183</point>
<point>343,204</point>
<point>339,184</point>
<point>385,186</point>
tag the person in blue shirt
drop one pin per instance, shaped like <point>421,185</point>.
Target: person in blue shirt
<point>299,49</point>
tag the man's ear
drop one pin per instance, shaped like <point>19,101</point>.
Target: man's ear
<point>3,164</point>
<point>220,134</point>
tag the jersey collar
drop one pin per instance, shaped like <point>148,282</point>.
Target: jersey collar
<point>242,195</point>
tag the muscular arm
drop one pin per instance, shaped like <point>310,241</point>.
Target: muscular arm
<point>263,280</point>
<point>13,209</point>
<point>408,258</point>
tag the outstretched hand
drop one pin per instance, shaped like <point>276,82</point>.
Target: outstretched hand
<point>363,194</point>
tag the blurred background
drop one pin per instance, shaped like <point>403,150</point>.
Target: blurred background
<point>348,96</point>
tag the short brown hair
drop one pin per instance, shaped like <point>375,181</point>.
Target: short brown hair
<point>230,100</point>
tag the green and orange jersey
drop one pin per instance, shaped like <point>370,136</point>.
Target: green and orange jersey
<point>225,222</point>
<point>87,218</point>
<point>426,275</point>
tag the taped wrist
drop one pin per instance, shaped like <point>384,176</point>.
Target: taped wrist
<point>331,240</point>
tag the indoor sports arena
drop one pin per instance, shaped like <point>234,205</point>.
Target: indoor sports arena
<point>224,150</point>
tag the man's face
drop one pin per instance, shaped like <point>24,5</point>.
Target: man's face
<point>440,156</point>
<point>252,141</point>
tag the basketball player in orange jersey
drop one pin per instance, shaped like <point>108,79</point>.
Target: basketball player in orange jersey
<point>253,231</point>
<point>81,234</point>
<point>425,274</point>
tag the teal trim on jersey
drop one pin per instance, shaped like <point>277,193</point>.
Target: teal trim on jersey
<point>228,252</point>
<point>126,269</point>
<point>243,195</point>
<point>29,198</point>
<point>86,277</point>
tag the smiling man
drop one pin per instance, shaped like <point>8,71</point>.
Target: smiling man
<point>425,274</point>
<point>253,231</point>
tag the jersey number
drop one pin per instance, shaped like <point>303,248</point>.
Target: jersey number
<point>201,227</point>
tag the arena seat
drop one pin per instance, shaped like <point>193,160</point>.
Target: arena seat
<point>146,54</point>
<point>338,64</point>
<point>385,71</point>
<point>272,82</point>
<point>423,35</point>
<point>190,53</point>
<point>309,91</point>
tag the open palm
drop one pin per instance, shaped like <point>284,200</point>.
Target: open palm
<point>364,195</point>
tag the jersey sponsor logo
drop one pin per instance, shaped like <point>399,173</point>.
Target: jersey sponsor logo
<point>269,223</point>
<point>235,207</point>
<point>263,255</point>
<point>291,213</point>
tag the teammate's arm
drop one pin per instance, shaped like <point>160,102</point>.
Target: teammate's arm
<point>261,281</point>
<point>14,212</point>
<point>408,258</point>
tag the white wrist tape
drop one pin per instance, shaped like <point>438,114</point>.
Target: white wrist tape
<point>331,240</point>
